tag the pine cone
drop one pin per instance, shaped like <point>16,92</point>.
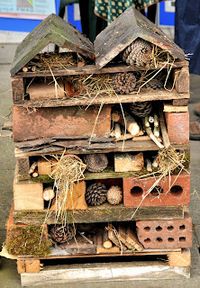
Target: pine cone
<point>96,194</point>
<point>62,234</point>
<point>96,162</point>
<point>139,53</point>
<point>114,195</point>
<point>154,84</point>
<point>124,83</point>
<point>140,109</point>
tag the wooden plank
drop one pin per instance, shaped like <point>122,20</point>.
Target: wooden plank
<point>128,146</point>
<point>182,80</point>
<point>145,95</point>
<point>90,69</point>
<point>104,272</point>
<point>180,102</point>
<point>181,259</point>
<point>22,168</point>
<point>103,213</point>
<point>17,89</point>
<point>172,108</point>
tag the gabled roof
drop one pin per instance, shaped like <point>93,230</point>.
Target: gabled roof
<point>124,30</point>
<point>55,30</point>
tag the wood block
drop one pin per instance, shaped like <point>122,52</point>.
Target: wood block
<point>182,78</point>
<point>21,267</point>
<point>32,265</point>
<point>60,121</point>
<point>17,89</point>
<point>28,195</point>
<point>180,102</point>
<point>126,162</point>
<point>180,259</point>
<point>75,200</point>
<point>178,127</point>
<point>175,109</point>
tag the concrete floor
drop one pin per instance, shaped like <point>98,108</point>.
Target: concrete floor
<point>8,275</point>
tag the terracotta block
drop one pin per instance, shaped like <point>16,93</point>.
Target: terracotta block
<point>17,89</point>
<point>60,121</point>
<point>165,234</point>
<point>178,127</point>
<point>40,91</point>
<point>170,191</point>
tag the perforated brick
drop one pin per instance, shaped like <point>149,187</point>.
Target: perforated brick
<point>165,234</point>
<point>170,191</point>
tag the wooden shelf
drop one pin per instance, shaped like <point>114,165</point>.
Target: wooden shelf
<point>81,147</point>
<point>144,95</point>
<point>103,213</point>
<point>90,69</point>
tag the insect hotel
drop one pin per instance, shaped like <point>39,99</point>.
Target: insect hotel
<point>101,136</point>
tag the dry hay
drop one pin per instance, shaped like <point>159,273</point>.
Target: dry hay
<point>68,170</point>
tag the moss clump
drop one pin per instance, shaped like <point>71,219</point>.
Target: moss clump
<point>27,240</point>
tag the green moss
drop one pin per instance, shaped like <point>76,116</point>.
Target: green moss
<point>43,179</point>
<point>27,240</point>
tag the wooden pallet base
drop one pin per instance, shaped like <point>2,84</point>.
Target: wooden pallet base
<point>176,266</point>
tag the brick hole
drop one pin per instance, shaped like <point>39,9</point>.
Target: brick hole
<point>170,228</point>
<point>157,190</point>
<point>159,239</point>
<point>136,190</point>
<point>182,227</point>
<point>176,190</point>
<point>159,228</point>
<point>147,228</point>
<point>147,240</point>
<point>182,239</point>
<point>170,239</point>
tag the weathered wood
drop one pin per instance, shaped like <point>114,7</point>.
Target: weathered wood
<point>180,102</point>
<point>22,168</point>
<point>91,69</point>
<point>182,80</point>
<point>129,26</point>
<point>51,30</point>
<point>145,95</point>
<point>17,89</point>
<point>127,146</point>
<point>28,265</point>
<point>104,272</point>
<point>51,122</point>
<point>103,213</point>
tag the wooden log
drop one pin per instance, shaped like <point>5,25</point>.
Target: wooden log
<point>52,122</point>
<point>32,168</point>
<point>117,131</point>
<point>107,244</point>
<point>48,194</point>
<point>39,91</point>
<point>164,132</point>
<point>45,167</point>
<point>128,162</point>
<point>129,239</point>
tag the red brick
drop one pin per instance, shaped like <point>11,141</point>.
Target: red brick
<point>165,234</point>
<point>178,127</point>
<point>60,121</point>
<point>174,190</point>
